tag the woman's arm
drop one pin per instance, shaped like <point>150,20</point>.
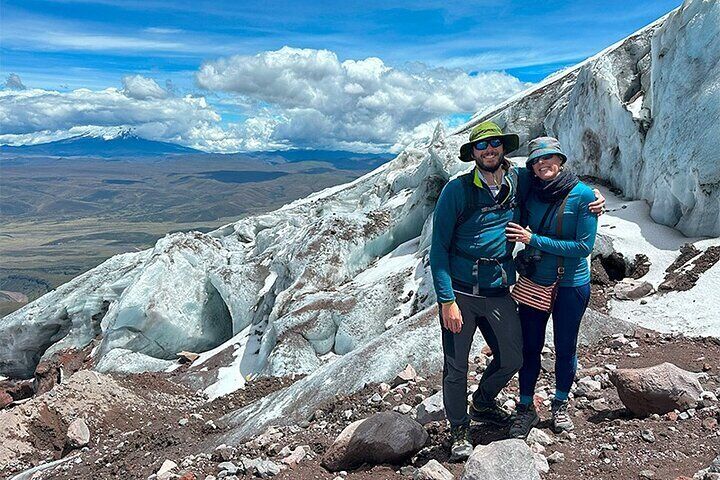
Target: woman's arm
<point>585,233</point>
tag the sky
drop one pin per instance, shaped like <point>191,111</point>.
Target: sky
<point>238,76</point>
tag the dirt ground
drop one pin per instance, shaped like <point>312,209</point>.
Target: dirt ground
<point>162,419</point>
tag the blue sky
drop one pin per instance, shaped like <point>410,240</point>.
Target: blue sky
<point>64,45</point>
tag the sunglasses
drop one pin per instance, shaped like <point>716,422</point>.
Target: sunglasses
<point>549,156</point>
<point>483,144</point>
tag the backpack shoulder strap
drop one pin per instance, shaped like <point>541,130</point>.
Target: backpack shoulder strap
<point>472,198</point>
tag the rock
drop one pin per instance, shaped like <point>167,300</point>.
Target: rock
<point>228,467</point>
<point>648,436</point>
<point>508,459</point>
<point>166,469</point>
<point>600,405</point>
<point>589,384</point>
<point>619,341</point>
<point>385,437</point>
<point>187,357</point>
<point>295,457</point>
<point>710,423</point>
<point>403,408</point>
<point>431,409</point>
<point>547,365</point>
<point>223,453</point>
<point>538,436</point>
<point>541,463</point>
<point>5,399</point>
<point>407,375</point>
<point>266,468</point>
<point>433,470</point>
<point>556,457</point>
<point>646,474</point>
<point>659,389</point>
<point>376,398</point>
<point>78,433</point>
<point>631,289</point>
<point>383,388</point>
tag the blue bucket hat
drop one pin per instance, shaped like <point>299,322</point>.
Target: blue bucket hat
<point>543,146</point>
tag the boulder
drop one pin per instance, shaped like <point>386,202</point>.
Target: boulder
<point>659,389</point>
<point>631,289</point>
<point>431,409</point>
<point>78,433</point>
<point>508,459</point>
<point>384,437</point>
<point>433,470</point>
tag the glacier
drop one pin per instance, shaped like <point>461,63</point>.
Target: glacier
<point>337,286</point>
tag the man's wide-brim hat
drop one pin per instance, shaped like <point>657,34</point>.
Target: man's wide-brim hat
<point>484,130</point>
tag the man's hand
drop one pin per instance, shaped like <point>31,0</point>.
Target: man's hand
<point>598,206</point>
<point>516,233</point>
<point>452,318</point>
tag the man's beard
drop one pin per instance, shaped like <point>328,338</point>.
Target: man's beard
<point>492,169</point>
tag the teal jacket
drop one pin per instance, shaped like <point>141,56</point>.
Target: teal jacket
<point>574,245</point>
<point>482,235</point>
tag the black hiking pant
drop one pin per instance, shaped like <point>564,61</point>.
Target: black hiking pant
<point>498,321</point>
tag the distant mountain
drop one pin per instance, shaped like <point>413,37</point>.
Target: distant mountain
<point>112,142</point>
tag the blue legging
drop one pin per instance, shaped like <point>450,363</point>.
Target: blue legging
<point>568,310</point>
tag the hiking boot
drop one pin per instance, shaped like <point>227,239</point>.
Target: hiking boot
<point>491,413</point>
<point>561,421</point>
<point>525,419</point>
<point>461,447</point>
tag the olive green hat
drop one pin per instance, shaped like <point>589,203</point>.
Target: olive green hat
<point>511,141</point>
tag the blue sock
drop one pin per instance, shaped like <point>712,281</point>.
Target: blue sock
<point>526,399</point>
<point>561,396</point>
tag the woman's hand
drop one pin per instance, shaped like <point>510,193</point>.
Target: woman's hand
<point>452,318</point>
<point>598,206</point>
<point>516,233</point>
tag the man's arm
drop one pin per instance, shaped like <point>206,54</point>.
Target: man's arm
<point>447,210</point>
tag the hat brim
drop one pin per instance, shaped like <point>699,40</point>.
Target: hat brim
<point>546,151</point>
<point>511,142</point>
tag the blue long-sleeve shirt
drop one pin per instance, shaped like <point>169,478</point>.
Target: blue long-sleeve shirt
<point>481,236</point>
<point>574,245</point>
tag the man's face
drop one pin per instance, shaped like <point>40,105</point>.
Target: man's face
<point>489,157</point>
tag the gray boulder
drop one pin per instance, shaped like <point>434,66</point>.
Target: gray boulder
<point>384,437</point>
<point>631,289</point>
<point>508,459</point>
<point>431,409</point>
<point>659,389</point>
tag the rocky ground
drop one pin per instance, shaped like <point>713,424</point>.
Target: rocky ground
<point>136,423</point>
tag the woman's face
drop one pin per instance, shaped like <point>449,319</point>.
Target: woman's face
<point>547,167</point>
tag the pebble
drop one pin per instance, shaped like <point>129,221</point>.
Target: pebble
<point>647,474</point>
<point>648,436</point>
<point>182,422</point>
<point>556,457</point>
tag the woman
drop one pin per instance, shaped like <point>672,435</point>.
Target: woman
<point>549,251</point>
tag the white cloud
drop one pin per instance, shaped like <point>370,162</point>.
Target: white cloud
<point>285,98</point>
<point>324,103</point>
<point>142,88</point>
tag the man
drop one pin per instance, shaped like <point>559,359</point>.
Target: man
<point>472,267</point>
